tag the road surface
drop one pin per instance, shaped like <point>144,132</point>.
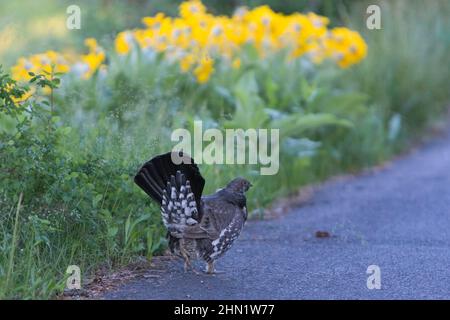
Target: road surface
<point>397,218</point>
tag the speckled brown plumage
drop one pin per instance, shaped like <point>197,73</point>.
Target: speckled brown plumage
<point>199,227</point>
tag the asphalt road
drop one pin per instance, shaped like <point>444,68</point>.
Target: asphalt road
<point>397,218</point>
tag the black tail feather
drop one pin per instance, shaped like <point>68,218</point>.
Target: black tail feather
<point>154,175</point>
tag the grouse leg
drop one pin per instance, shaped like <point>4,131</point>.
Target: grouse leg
<point>187,262</point>
<point>188,266</point>
<point>210,268</point>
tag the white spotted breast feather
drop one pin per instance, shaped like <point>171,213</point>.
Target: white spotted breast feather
<point>224,215</point>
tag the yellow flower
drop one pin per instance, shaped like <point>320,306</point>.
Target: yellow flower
<point>43,63</point>
<point>24,97</point>
<point>122,43</point>
<point>261,15</point>
<point>236,64</point>
<point>62,68</point>
<point>204,70</point>
<point>91,43</point>
<point>153,22</point>
<point>93,60</point>
<point>144,39</point>
<point>19,71</point>
<point>186,62</point>
<point>318,21</point>
<point>191,8</point>
<point>345,46</point>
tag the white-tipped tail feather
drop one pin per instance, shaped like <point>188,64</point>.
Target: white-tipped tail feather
<point>179,209</point>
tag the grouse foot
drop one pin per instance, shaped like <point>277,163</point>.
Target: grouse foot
<point>211,270</point>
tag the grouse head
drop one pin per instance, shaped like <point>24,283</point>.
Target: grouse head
<point>238,185</point>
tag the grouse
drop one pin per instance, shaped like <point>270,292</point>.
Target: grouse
<point>198,227</point>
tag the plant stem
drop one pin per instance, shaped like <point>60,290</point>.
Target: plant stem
<point>13,244</point>
<point>51,100</point>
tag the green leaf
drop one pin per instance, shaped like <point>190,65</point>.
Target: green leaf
<point>7,123</point>
<point>250,108</point>
<point>295,125</point>
<point>56,119</point>
<point>112,231</point>
<point>66,130</point>
<point>96,200</point>
<point>74,175</point>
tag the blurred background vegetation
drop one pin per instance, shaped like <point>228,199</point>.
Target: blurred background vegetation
<point>75,173</point>
<point>29,26</point>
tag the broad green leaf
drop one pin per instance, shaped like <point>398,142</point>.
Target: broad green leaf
<point>295,125</point>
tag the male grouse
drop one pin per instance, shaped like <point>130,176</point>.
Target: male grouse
<point>199,227</point>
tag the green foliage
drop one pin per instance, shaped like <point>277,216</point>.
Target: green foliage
<point>74,202</point>
<point>405,75</point>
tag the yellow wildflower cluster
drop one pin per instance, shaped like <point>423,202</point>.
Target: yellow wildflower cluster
<point>41,63</point>
<point>195,34</point>
<point>24,97</point>
<point>51,62</point>
<point>196,37</point>
<point>47,63</point>
<point>93,60</point>
<point>345,46</point>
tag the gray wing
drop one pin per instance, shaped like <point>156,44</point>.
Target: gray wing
<point>223,222</point>
<point>217,215</point>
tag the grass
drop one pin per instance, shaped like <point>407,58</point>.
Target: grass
<point>67,195</point>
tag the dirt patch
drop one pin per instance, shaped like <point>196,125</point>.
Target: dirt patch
<point>105,280</point>
<point>322,234</point>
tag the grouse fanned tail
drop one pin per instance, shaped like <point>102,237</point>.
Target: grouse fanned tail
<point>154,175</point>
